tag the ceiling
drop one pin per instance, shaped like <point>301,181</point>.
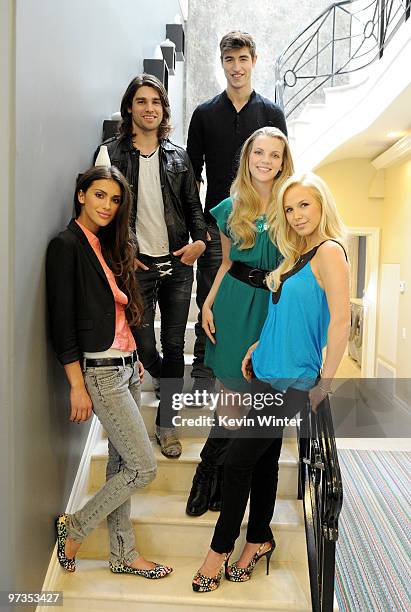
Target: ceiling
<point>373,141</point>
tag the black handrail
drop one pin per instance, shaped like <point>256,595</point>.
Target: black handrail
<point>320,487</point>
<point>346,37</point>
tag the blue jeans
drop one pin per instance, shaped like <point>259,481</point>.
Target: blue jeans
<point>207,267</point>
<point>115,393</point>
<point>168,282</point>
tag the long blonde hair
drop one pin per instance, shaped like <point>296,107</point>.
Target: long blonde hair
<point>289,243</point>
<point>246,201</point>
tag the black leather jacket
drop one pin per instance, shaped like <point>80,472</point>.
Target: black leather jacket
<point>182,207</point>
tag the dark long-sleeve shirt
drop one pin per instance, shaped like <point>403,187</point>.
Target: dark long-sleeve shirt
<point>216,134</point>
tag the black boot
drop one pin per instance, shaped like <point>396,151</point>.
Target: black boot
<point>216,492</point>
<point>198,500</point>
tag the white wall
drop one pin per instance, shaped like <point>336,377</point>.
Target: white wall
<point>7,524</point>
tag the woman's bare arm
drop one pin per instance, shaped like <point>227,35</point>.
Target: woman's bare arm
<point>332,273</point>
<point>80,401</point>
<point>207,315</point>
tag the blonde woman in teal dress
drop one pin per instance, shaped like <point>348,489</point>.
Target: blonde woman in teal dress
<point>236,306</point>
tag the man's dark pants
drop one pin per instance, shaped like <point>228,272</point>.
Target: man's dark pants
<point>216,447</point>
<point>207,267</point>
<point>168,282</point>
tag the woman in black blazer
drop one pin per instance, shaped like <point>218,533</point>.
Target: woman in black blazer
<point>93,305</point>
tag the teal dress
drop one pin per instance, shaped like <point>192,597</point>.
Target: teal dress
<point>239,309</point>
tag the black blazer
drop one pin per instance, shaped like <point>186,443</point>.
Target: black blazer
<point>80,299</point>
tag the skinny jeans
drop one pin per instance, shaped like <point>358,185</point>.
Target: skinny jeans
<point>167,282</point>
<point>115,393</point>
<point>207,268</point>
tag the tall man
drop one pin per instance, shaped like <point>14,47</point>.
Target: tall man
<point>217,131</point>
<point>166,212</point>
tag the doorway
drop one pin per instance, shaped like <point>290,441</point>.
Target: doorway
<point>363,251</point>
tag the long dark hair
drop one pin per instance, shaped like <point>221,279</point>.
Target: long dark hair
<point>126,127</point>
<point>118,242</point>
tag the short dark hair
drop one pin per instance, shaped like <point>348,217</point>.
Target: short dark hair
<point>149,80</point>
<point>237,40</point>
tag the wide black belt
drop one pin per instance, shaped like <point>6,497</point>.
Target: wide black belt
<point>252,276</point>
<point>110,361</point>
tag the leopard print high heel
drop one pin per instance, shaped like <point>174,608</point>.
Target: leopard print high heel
<point>242,574</point>
<point>207,584</point>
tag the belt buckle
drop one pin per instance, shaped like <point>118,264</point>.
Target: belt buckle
<point>251,277</point>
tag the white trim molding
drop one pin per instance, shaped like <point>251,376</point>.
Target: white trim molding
<point>78,492</point>
<point>370,299</point>
<point>394,154</point>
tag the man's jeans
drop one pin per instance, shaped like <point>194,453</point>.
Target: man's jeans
<point>115,393</point>
<point>207,267</point>
<point>168,282</point>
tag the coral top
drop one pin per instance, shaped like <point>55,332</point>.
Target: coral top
<point>123,338</point>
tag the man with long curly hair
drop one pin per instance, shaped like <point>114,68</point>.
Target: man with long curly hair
<point>166,213</point>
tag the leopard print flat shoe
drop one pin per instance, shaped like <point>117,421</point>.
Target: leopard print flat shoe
<point>68,564</point>
<point>159,571</point>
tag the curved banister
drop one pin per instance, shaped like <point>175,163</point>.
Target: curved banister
<point>346,37</point>
<point>320,486</point>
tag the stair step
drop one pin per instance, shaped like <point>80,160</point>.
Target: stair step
<point>176,475</point>
<point>94,588</point>
<point>346,92</point>
<point>312,112</point>
<point>162,528</point>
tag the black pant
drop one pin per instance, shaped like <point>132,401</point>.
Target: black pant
<point>207,266</point>
<point>215,449</point>
<point>251,469</point>
<point>168,282</point>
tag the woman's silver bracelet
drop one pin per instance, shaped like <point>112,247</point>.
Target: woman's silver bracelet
<point>327,391</point>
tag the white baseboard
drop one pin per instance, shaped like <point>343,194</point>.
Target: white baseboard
<point>384,369</point>
<point>76,496</point>
<point>79,489</point>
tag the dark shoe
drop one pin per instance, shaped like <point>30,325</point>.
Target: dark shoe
<point>68,564</point>
<point>216,492</point>
<point>242,574</point>
<point>156,386</point>
<point>169,443</point>
<point>159,571</point>
<point>199,498</point>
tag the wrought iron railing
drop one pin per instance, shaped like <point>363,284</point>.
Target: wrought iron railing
<point>320,487</point>
<point>345,38</point>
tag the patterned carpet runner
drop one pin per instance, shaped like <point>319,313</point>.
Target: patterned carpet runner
<point>373,560</point>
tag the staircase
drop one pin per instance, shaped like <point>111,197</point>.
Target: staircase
<point>340,76</point>
<point>166,534</point>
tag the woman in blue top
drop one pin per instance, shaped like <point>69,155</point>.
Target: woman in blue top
<point>308,309</point>
<point>236,306</point>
